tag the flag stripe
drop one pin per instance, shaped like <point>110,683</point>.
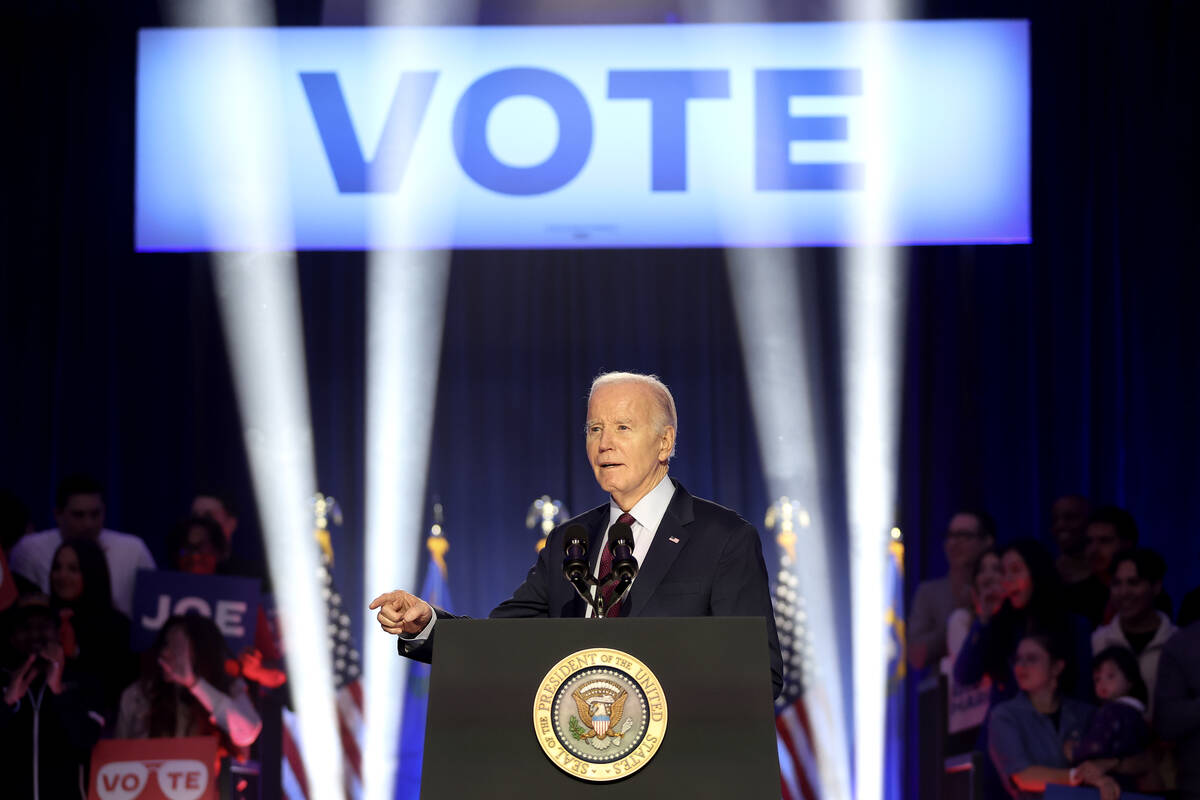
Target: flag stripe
<point>293,763</point>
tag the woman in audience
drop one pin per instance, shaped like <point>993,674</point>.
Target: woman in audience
<point>987,594</point>
<point>1028,736</point>
<point>93,634</point>
<point>187,691</point>
<point>51,715</point>
<point>196,546</point>
<point>1033,601</point>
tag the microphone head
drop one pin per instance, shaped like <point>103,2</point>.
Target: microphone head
<point>575,545</point>
<point>620,533</point>
<point>575,536</point>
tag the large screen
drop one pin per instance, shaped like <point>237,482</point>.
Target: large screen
<point>589,136</point>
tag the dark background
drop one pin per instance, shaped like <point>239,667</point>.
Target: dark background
<point>1068,365</point>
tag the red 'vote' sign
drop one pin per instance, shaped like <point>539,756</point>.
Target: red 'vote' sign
<point>154,769</point>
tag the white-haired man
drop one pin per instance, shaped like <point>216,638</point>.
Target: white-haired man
<point>697,558</point>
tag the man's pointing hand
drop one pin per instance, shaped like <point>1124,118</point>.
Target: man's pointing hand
<point>402,612</point>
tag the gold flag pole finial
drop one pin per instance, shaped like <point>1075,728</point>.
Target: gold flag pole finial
<point>785,515</point>
<point>325,510</point>
<point>543,515</point>
<point>437,542</point>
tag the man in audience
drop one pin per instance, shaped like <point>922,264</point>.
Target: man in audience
<point>1109,531</point>
<point>968,535</point>
<point>220,508</point>
<point>1138,625</point>
<point>1086,594</point>
<point>79,511</point>
<point>1177,704</point>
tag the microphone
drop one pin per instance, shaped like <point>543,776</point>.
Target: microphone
<point>620,542</point>
<point>575,555</point>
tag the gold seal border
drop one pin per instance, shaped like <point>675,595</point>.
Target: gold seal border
<point>564,670</point>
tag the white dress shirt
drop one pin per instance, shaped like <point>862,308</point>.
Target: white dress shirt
<point>647,516</point>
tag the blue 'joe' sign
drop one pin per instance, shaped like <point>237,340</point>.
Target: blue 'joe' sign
<point>588,136</point>
<point>230,602</point>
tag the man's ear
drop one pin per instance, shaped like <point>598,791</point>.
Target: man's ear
<point>667,443</point>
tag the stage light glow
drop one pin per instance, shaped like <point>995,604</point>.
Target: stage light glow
<point>871,315</point>
<point>406,293</point>
<point>406,298</point>
<point>766,299</point>
<point>260,310</point>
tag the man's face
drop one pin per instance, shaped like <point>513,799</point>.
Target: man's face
<point>965,540</point>
<point>1132,594</point>
<point>214,509</point>
<point>1102,544</point>
<point>627,453</point>
<point>82,517</point>
<point>1068,518</point>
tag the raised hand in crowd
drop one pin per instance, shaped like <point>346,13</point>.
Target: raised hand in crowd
<point>48,662</point>
<point>21,680</point>
<point>402,612</point>
<point>176,661</point>
<point>252,668</point>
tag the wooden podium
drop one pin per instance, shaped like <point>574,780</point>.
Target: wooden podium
<point>715,679</point>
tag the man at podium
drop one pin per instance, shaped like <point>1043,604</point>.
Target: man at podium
<point>697,558</point>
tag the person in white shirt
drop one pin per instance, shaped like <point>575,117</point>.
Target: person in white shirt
<point>79,512</point>
<point>1138,626</point>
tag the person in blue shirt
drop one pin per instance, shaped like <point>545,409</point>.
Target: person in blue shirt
<point>1029,735</point>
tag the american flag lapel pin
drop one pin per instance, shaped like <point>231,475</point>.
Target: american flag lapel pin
<point>674,539</point>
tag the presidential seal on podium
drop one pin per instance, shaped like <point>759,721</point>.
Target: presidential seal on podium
<point>600,714</point>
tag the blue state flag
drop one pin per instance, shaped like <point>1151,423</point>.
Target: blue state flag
<point>435,591</point>
<point>893,757</point>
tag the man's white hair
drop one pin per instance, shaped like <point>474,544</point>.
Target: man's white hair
<point>664,403</point>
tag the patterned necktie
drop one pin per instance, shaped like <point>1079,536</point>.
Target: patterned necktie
<point>606,560</point>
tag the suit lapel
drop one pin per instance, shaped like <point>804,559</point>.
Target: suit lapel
<point>669,540</point>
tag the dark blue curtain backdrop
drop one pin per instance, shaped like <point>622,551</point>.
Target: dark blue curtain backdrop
<point>1070,365</point>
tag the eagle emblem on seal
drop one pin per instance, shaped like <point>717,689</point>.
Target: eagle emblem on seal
<point>601,705</point>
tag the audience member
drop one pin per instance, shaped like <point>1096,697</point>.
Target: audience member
<point>1028,735</point>
<point>1177,706</point>
<point>1109,531</point>
<point>1086,594</point>
<point>1033,601</point>
<point>94,635</point>
<point>968,534</point>
<point>219,506</point>
<point>50,717</point>
<point>987,595</point>
<point>187,691</point>
<point>1118,730</point>
<point>1137,626</point>
<point>220,509</point>
<point>195,546</point>
<point>79,511</point>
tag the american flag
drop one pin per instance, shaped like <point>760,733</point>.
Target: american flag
<point>347,673</point>
<point>798,768</point>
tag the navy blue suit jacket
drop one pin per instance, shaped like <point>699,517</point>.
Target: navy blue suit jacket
<point>704,561</point>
